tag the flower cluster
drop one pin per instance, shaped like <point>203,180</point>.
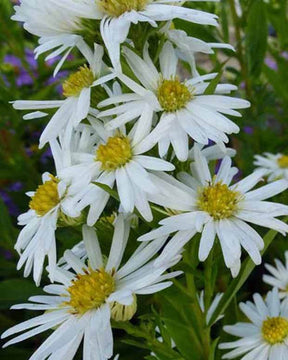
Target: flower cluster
<point>127,120</point>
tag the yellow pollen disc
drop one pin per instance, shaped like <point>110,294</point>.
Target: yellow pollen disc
<point>76,82</point>
<point>173,95</point>
<point>275,330</point>
<point>46,197</point>
<point>115,153</point>
<point>116,8</point>
<point>283,161</point>
<point>89,291</point>
<point>218,200</point>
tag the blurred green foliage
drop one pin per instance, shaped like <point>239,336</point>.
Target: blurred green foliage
<point>258,66</point>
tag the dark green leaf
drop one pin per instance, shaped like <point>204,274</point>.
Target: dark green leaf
<point>16,291</point>
<point>256,37</point>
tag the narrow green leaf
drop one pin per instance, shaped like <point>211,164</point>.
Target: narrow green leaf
<point>213,349</point>
<point>210,90</point>
<point>224,22</point>
<point>107,188</point>
<point>256,37</point>
<point>135,343</point>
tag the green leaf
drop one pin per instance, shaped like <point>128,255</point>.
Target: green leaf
<point>256,37</point>
<point>107,188</point>
<point>224,21</point>
<point>180,322</point>
<point>246,269</point>
<point>8,231</point>
<point>136,343</point>
<point>213,349</point>
<point>210,90</point>
<point>16,291</point>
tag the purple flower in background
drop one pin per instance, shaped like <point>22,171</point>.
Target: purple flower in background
<point>4,194</point>
<point>60,75</point>
<point>46,156</point>
<point>23,77</point>
<point>237,177</point>
<point>217,166</point>
<point>16,186</point>
<point>7,254</point>
<point>248,130</point>
<point>52,80</point>
<point>12,208</point>
<point>285,55</point>
<point>271,63</point>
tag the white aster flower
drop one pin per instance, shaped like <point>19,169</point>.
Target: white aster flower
<point>187,46</point>
<point>117,16</point>
<point>276,166</point>
<point>212,152</point>
<point>266,337</point>
<point>119,159</point>
<point>57,28</point>
<point>279,276</point>
<point>81,304</point>
<point>49,206</point>
<point>71,111</point>
<point>220,209</point>
<point>183,108</point>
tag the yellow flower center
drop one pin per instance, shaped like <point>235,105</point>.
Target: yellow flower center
<point>283,161</point>
<point>218,200</point>
<point>173,95</point>
<point>46,197</point>
<point>76,82</point>
<point>115,153</point>
<point>89,291</point>
<point>116,8</point>
<point>275,330</point>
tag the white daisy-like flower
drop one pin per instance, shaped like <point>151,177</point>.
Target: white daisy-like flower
<point>49,206</point>
<point>183,108</point>
<point>276,166</point>
<point>266,337</point>
<point>71,111</point>
<point>212,152</point>
<point>57,28</point>
<point>279,276</point>
<point>118,158</point>
<point>220,209</point>
<point>82,302</point>
<point>117,16</point>
<point>187,46</point>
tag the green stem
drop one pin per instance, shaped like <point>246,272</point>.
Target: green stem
<point>240,50</point>
<point>209,286</point>
<point>192,291</point>
<point>159,48</point>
